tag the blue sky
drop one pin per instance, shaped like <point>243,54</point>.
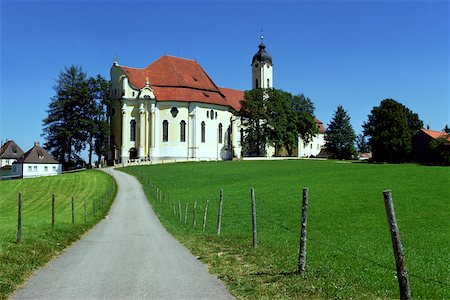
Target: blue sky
<point>350,53</point>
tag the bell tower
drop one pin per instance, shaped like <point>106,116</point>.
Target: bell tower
<point>262,68</point>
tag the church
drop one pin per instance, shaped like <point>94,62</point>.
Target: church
<point>172,109</point>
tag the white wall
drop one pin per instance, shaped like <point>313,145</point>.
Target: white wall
<point>312,148</point>
<point>36,170</point>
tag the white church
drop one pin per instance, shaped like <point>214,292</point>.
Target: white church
<point>172,109</point>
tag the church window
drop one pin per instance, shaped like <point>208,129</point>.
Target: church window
<point>211,114</point>
<point>132,94</point>
<point>229,133</point>
<point>256,83</point>
<point>183,131</point>
<point>268,83</point>
<point>220,133</point>
<point>203,132</point>
<point>174,112</point>
<point>165,131</point>
<point>133,130</point>
<point>207,113</point>
<point>215,115</point>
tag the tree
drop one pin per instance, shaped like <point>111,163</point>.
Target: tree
<point>440,150</point>
<point>63,128</point>
<point>361,144</point>
<point>390,128</point>
<point>340,137</point>
<point>446,129</point>
<point>275,117</point>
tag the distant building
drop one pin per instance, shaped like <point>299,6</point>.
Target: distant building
<point>34,163</point>
<point>421,142</point>
<point>313,148</point>
<point>9,153</point>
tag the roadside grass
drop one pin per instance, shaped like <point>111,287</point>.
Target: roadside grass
<point>349,252</point>
<point>41,242</point>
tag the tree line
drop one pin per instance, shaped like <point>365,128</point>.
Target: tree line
<point>77,118</point>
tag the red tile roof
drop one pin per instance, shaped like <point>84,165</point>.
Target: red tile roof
<point>178,79</point>
<point>320,125</point>
<point>435,134</point>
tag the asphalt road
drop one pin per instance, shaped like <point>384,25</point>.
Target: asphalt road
<point>128,255</point>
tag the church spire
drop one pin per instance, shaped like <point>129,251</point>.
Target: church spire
<point>262,74</point>
<point>115,63</point>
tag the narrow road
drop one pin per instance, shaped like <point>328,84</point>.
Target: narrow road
<point>128,255</point>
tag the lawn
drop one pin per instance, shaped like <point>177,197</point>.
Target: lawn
<point>349,251</point>
<point>40,242</point>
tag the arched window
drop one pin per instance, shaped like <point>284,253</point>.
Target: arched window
<point>203,132</point>
<point>211,114</point>
<point>165,131</point>
<point>133,130</point>
<point>220,133</point>
<point>207,113</point>
<point>256,83</point>
<point>268,83</point>
<point>182,131</point>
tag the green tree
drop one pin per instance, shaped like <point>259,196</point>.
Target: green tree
<point>440,150</point>
<point>446,129</point>
<point>63,128</point>
<point>340,136</point>
<point>390,128</point>
<point>361,144</point>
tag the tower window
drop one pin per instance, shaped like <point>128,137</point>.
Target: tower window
<point>182,131</point>
<point>207,113</point>
<point>268,83</point>
<point>133,130</point>
<point>203,132</point>
<point>165,131</point>
<point>256,83</point>
<point>220,133</point>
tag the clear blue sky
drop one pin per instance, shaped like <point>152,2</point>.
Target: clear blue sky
<point>353,53</point>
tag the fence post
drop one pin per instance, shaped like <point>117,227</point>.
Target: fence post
<point>179,210</point>
<point>19,219</point>
<point>195,213</point>
<point>73,211</point>
<point>302,252</point>
<point>252,194</point>
<point>186,213</point>
<point>53,210</point>
<point>85,211</point>
<point>93,206</point>
<point>204,216</point>
<point>219,217</point>
<point>402,272</point>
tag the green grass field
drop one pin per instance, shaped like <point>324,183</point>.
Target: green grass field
<point>40,241</point>
<point>349,251</point>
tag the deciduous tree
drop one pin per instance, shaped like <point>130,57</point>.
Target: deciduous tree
<point>390,128</point>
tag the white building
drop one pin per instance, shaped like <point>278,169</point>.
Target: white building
<point>34,163</point>
<point>9,153</point>
<point>314,147</point>
<point>172,109</point>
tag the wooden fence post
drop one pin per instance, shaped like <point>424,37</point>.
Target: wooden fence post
<point>219,216</point>
<point>195,213</point>
<point>186,213</point>
<point>93,206</point>
<point>206,213</point>
<point>73,211</point>
<point>19,219</point>
<point>302,252</point>
<point>53,210</point>
<point>252,194</point>
<point>402,272</point>
<point>179,210</point>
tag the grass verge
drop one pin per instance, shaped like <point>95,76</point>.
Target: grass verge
<point>349,252</point>
<point>40,242</point>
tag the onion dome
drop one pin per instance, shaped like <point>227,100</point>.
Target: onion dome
<point>262,56</point>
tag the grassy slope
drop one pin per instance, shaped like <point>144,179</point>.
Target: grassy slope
<point>349,247</point>
<point>39,241</point>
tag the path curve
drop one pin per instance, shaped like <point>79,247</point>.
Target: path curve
<point>128,255</point>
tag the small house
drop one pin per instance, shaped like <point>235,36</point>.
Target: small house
<point>36,162</point>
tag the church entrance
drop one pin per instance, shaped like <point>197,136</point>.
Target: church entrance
<point>133,153</point>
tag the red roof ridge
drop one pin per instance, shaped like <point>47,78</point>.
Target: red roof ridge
<point>434,133</point>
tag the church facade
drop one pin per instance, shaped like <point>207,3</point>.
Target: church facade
<point>172,109</point>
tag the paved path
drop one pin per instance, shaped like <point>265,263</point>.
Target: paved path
<point>129,255</point>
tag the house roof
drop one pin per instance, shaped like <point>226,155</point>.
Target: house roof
<point>320,125</point>
<point>36,155</point>
<point>179,79</point>
<point>435,134</point>
<point>10,150</point>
